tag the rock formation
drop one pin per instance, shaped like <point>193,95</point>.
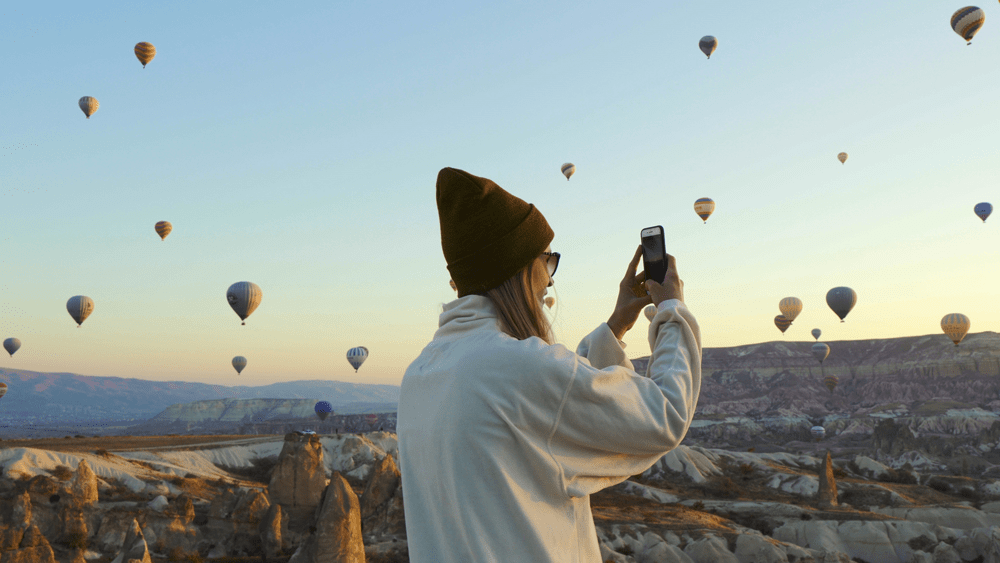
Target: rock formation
<point>298,480</point>
<point>83,486</point>
<point>134,548</point>
<point>827,495</point>
<point>382,503</point>
<point>270,533</point>
<point>338,528</point>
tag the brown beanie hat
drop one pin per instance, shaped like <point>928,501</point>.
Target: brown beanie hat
<point>487,234</point>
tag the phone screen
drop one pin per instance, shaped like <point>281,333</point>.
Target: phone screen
<point>654,255</point>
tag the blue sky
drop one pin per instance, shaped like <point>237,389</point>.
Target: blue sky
<point>298,148</point>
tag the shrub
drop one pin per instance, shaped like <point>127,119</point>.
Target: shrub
<point>901,477</point>
<point>747,469</point>
<point>698,505</point>
<point>79,436</point>
<point>839,473</point>
<point>939,485</point>
<point>62,473</point>
<point>102,452</point>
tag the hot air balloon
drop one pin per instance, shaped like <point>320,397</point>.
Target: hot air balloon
<point>163,229</point>
<point>568,169</point>
<point>983,210</point>
<point>956,326</point>
<point>831,382</point>
<point>80,307</point>
<point>11,345</point>
<point>790,307</point>
<point>3,389</point>
<point>816,332</point>
<point>704,208</point>
<point>244,297</point>
<point>782,322</point>
<point>818,432</point>
<point>841,300</point>
<point>452,284</point>
<point>371,418</point>
<point>89,105</point>
<point>842,157</point>
<point>650,312</point>
<point>820,351</point>
<point>323,409</point>
<point>239,362</point>
<point>967,21</point>
<point>708,45</point>
<point>550,301</point>
<point>356,356</point>
<point>145,52</point>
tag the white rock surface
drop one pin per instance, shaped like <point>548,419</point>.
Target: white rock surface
<point>755,548</point>
<point>804,485</point>
<point>710,549</point>
<point>951,517</point>
<point>648,492</point>
<point>159,503</point>
<point>870,468</point>
<point>884,541</point>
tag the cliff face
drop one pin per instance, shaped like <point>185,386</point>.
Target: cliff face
<point>236,410</point>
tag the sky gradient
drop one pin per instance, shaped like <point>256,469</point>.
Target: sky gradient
<point>298,149</point>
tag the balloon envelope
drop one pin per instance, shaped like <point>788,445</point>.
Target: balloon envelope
<point>357,356</point>
<point>650,312</point>
<point>239,362</point>
<point>568,169</point>
<point>818,432</point>
<point>842,157</point>
<point>244,297</point>
<point>144,51</point>
<point>323,409</point>
<point>452,284</point>
<point>790,307</point>
<point>80,307</point>
<point>816,333</point>
<point>11,345</point>
<point>704,208</point>
<point>89,105</point>
<point>707,45</point>
<point>163,229</point>
<point>820,351</point>
<point>550,301</point>
<point>983,210</point>
<point>956,326</point>
<point>831,382</point>
<point>3,389</point>
<point>967,21</point>
<point>841,300</point>
<point>782,322</point>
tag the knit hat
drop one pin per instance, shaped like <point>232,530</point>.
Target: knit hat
<point>487,234</point>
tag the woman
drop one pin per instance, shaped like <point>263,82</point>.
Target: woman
<point>504,435</point>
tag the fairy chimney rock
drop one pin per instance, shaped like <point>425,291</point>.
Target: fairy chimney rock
<point>83,485</point>
<point>338,528</point>
<point>298,479</point>
<point>134,548</point>
<point>827,495</point>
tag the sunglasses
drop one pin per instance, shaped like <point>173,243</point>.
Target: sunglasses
<point>552,262</point>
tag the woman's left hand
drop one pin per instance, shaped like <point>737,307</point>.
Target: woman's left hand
<point>629,306</point>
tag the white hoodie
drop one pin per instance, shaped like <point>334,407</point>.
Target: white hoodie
<point>502,441</point>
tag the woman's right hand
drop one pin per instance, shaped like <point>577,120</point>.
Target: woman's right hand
<point>671,288</point>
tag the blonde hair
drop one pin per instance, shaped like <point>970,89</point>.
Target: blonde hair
<point>519,312</point>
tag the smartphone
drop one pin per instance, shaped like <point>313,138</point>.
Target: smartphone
<point>654,254</point>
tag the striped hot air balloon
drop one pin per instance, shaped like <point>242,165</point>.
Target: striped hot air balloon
<point>452,284</point>
<point>842,157</point>
<point>820,351</point>
<point>967,21</point>
<point>956,326</point>
<point>11,345</point>
<point>80,307</point>
<point>983,210</point>
<point>144,51</point>
<point>782,322</point>
<point>831,382</point>
<point>816,333</point>
<point>239,362</point>
<point>357,356</point>
<point>550,301</point>
<point>89,105</point>
<point>163,229</point>
<point>3,389</point>
<point>790,307</point>
<point>818,432</point>
<point>244,297</point>
<point>704,207</point>
<point>568,169</point>
<point>708,45</point>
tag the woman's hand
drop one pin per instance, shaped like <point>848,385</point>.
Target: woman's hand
<point>629,306</point>
<point>671,288</point>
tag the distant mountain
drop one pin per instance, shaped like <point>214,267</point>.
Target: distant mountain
<point>35,398</point>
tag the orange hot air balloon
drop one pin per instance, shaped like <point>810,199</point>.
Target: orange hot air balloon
<point>782,322</point>
<point>163,229</point>
<point>145,52</point>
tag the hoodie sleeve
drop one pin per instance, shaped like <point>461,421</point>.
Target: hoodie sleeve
<point>613,423</point>
<point>601,349</point>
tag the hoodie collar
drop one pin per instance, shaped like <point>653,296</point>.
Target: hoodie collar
<point>465,313</point>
